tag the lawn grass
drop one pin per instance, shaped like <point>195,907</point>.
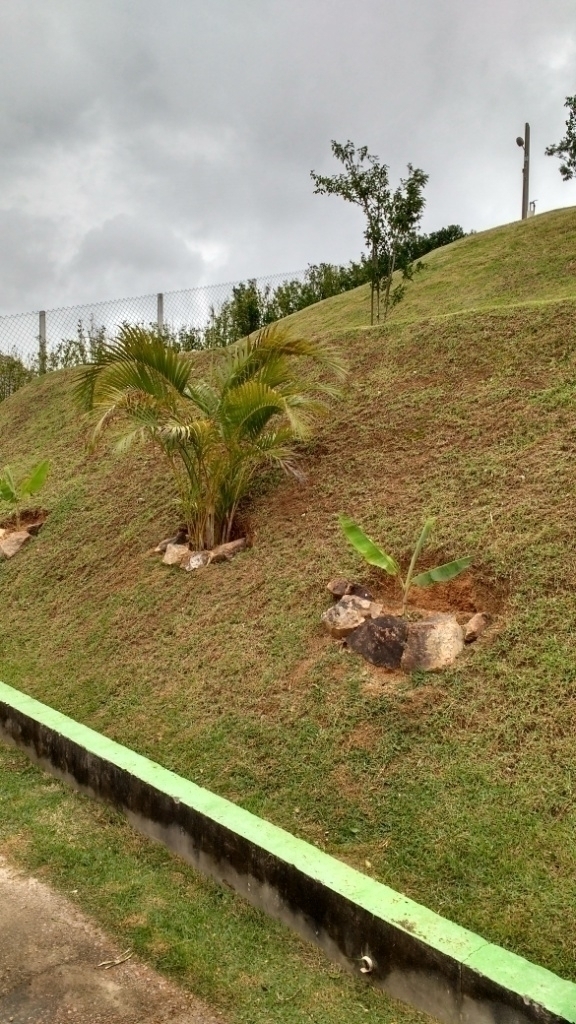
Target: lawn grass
<point>456,788</point>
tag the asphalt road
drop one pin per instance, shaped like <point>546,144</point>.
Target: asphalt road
<point>49,973</point>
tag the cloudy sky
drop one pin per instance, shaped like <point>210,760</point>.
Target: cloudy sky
<point>149,146</point>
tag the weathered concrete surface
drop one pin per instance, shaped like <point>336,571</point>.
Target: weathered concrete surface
<point>49,954</point>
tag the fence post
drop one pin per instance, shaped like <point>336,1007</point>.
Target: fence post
<point>42,341</point>
<point>160,311</point>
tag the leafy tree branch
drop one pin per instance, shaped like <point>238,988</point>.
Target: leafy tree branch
<point>392,215</point>
<point>566,148</point>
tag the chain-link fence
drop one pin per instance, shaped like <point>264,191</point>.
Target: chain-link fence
<point>46,340</point>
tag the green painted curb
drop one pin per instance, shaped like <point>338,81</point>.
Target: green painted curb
<point>536,986</point>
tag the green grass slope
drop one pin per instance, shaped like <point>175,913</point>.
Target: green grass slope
<point>457,789</point>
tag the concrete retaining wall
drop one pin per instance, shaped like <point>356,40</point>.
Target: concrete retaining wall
<point>413,954</point>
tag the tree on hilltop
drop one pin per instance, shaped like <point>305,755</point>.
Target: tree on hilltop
<point>566,148</point>
<point>392,216</point>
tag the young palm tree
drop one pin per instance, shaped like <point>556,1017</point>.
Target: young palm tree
<point>217,433</point>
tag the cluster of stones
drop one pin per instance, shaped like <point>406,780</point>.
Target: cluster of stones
<point>177,551</point>
<point>12,540</point>
<point>391,641</point>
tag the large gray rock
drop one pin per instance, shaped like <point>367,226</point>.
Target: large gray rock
<point>433,643</point>
<point>11,543</point>
<point>381,640</point>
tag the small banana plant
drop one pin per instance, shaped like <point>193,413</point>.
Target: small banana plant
<point>375,556</point>
<point>13,493</point>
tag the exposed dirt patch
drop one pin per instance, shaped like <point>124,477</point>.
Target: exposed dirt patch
<point>463,596</point>
<point>356,790</point>
<point>49,973</point>
<point>31,520</point>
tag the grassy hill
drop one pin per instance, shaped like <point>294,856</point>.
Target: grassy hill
<point>458,788</point>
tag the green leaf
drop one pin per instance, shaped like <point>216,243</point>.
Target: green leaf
<point>442,573</point>
<point>8,487</point>
<point>365,547</point>
<point>423,538</point>
<point>37,478</point>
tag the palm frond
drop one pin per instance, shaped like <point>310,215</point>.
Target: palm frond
<point>204,396</point>
<point>247,408</point>
<point>246,357</point>
<point>137,359</point>
<point>218,433</point>
<point>198,434</point>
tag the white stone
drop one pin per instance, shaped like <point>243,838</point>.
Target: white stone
<point>175,554</point>
<point>10,545</point>
<point>196,560</point>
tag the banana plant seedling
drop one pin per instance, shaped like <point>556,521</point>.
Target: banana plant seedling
<point>14,493</point>
<point>375,556</point>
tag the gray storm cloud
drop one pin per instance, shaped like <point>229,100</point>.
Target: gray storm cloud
<point>149,147</point>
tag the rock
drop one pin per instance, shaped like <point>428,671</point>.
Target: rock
<point>433,643</point>
<point>381,641</point>
<point>224,552</point>
<point>341,620</point>
<point>338,587</point>
<point>2,533</point>
<point>357,604</point>
<point>180,554</point>
<point>12,542</point>
<point>175,554</point>
<point>180,538</point>
<point>475,627</point>
<point>375,609</point>
<point>196,560</point>
<point>349,613</point>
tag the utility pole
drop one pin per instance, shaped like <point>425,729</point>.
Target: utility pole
<point>525,144</point>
